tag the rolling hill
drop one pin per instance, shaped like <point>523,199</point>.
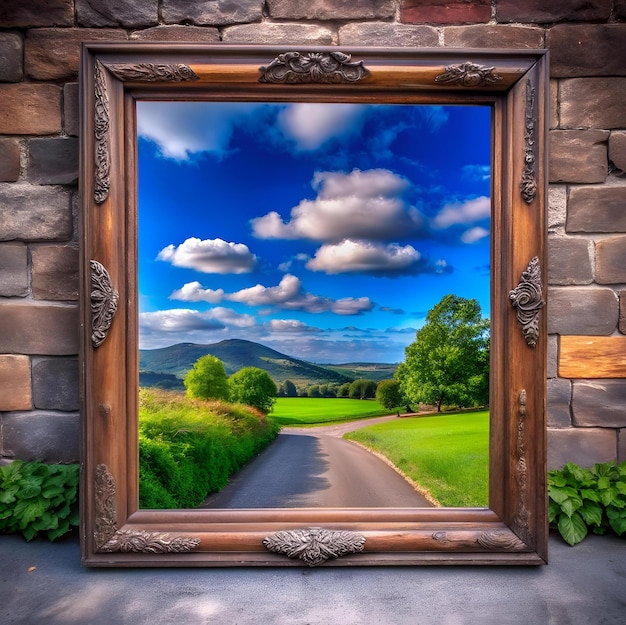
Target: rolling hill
<point>166,367</point>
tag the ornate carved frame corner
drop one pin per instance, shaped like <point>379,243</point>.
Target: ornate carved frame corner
<point>114,531</point>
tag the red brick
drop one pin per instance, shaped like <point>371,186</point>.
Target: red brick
<point>587,50</point>
<point>44,329</point>
<point>29,109</point>
<point>9,160</point>
<point>54,53</point>
<point>445,11</point>
<point>546,11</point>
<point>15,383</point>
<point>70,109</point>
<point>30,13</point>
<point>11,54</point>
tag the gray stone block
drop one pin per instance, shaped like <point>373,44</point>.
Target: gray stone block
<point>303,34</point>
<point>336,10</point>
<point>617,149</point>
<point>70,109</point>
<point>38,435</point>
<point>599,403</point>
<point>611,260</point>
<point>587,50</point>
<point>582,311</point>
<point>53,160</point>
<point>578,156</point>
<point>33,213</point>
<point>178,32</point>
<point>493,36</point>
<point>31,13</point>
<point>553,355</point>
<point>584,446</point>
<point>569,261</point>
<point>597,209</point>
<point>558,402</point>
<point>117,13</point>
<point>55,272</point>
<point>593,103</point>
<point>212,12</point>
<point>55,384</point>
<point>11,54</point>
<point>13,270</point>
<point>387,33</point>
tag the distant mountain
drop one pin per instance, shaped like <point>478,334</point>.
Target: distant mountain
<point>163,367</point>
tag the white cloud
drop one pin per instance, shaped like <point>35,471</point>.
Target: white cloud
<point>290,326</point>
<point>210,256</point>
<point>365,257</point>
<point>182,129</point>
<point>474,234</point>
<point>359,205</point>
<point>195,292</point>
<point>310,125</point>
<point>177,320</point>
<point>288,294</point>
<point>463,213</point>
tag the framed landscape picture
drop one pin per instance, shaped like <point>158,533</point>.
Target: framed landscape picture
<point>313,307</point>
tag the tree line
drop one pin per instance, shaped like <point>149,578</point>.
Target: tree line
<point>447,364</point>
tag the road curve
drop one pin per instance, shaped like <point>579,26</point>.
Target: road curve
<point>315,467</point>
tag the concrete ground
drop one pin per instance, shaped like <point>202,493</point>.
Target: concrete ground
<point>44,583</point>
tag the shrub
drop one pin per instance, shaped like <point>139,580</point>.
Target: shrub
<point>581,498</point>
<point>37,497</point>
<point>188,448</point>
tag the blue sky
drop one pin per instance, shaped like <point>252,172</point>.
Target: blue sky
<point>325,231</point>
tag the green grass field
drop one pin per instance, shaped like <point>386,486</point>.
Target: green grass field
<point>306,411</point>
<point>448,455</point>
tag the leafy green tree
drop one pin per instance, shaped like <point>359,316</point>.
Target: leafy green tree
<point>362,389</point>
<point>449,360</point>
<point>254,387</point>
<point>314,390</point>
<point>388,394</point>
<point>290,389</point>
<point>344,390</point>
<point>207,379</point>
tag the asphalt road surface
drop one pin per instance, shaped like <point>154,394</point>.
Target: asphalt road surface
<point>315,467</point>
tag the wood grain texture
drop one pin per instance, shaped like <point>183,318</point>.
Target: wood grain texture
<point>592,357</point>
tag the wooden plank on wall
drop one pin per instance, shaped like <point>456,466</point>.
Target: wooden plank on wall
<point>592,357</point>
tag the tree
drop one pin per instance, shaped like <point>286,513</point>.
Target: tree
<point>388,394</point>
<point>207,379</point>
<point>290,389</point>
<point>344,390</point>
<point>449,360</point>
<point>363,389</point>
<point>254,387</point>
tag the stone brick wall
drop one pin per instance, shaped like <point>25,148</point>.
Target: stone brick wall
<point>39,52</point>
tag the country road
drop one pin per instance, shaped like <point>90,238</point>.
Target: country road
<point>315,467</point>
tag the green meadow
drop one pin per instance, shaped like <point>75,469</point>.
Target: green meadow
<point>308,411</point>
<point>448,455</point>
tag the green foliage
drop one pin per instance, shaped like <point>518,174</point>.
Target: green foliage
<point>253,387</point>
<point>449,360</point>
<point>288,389</point>
<point>189,448</point>
<point>388,394</point>
<point>447,455</point>
<point>37,497</point>
<point>362,389</point>
<point>581,498</point>
<point>207,379</point>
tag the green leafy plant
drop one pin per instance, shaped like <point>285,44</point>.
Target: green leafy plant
<point>37,497</point>
<point>581,498</point>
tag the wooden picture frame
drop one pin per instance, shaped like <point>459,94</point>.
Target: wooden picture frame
<point>114,531</point>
